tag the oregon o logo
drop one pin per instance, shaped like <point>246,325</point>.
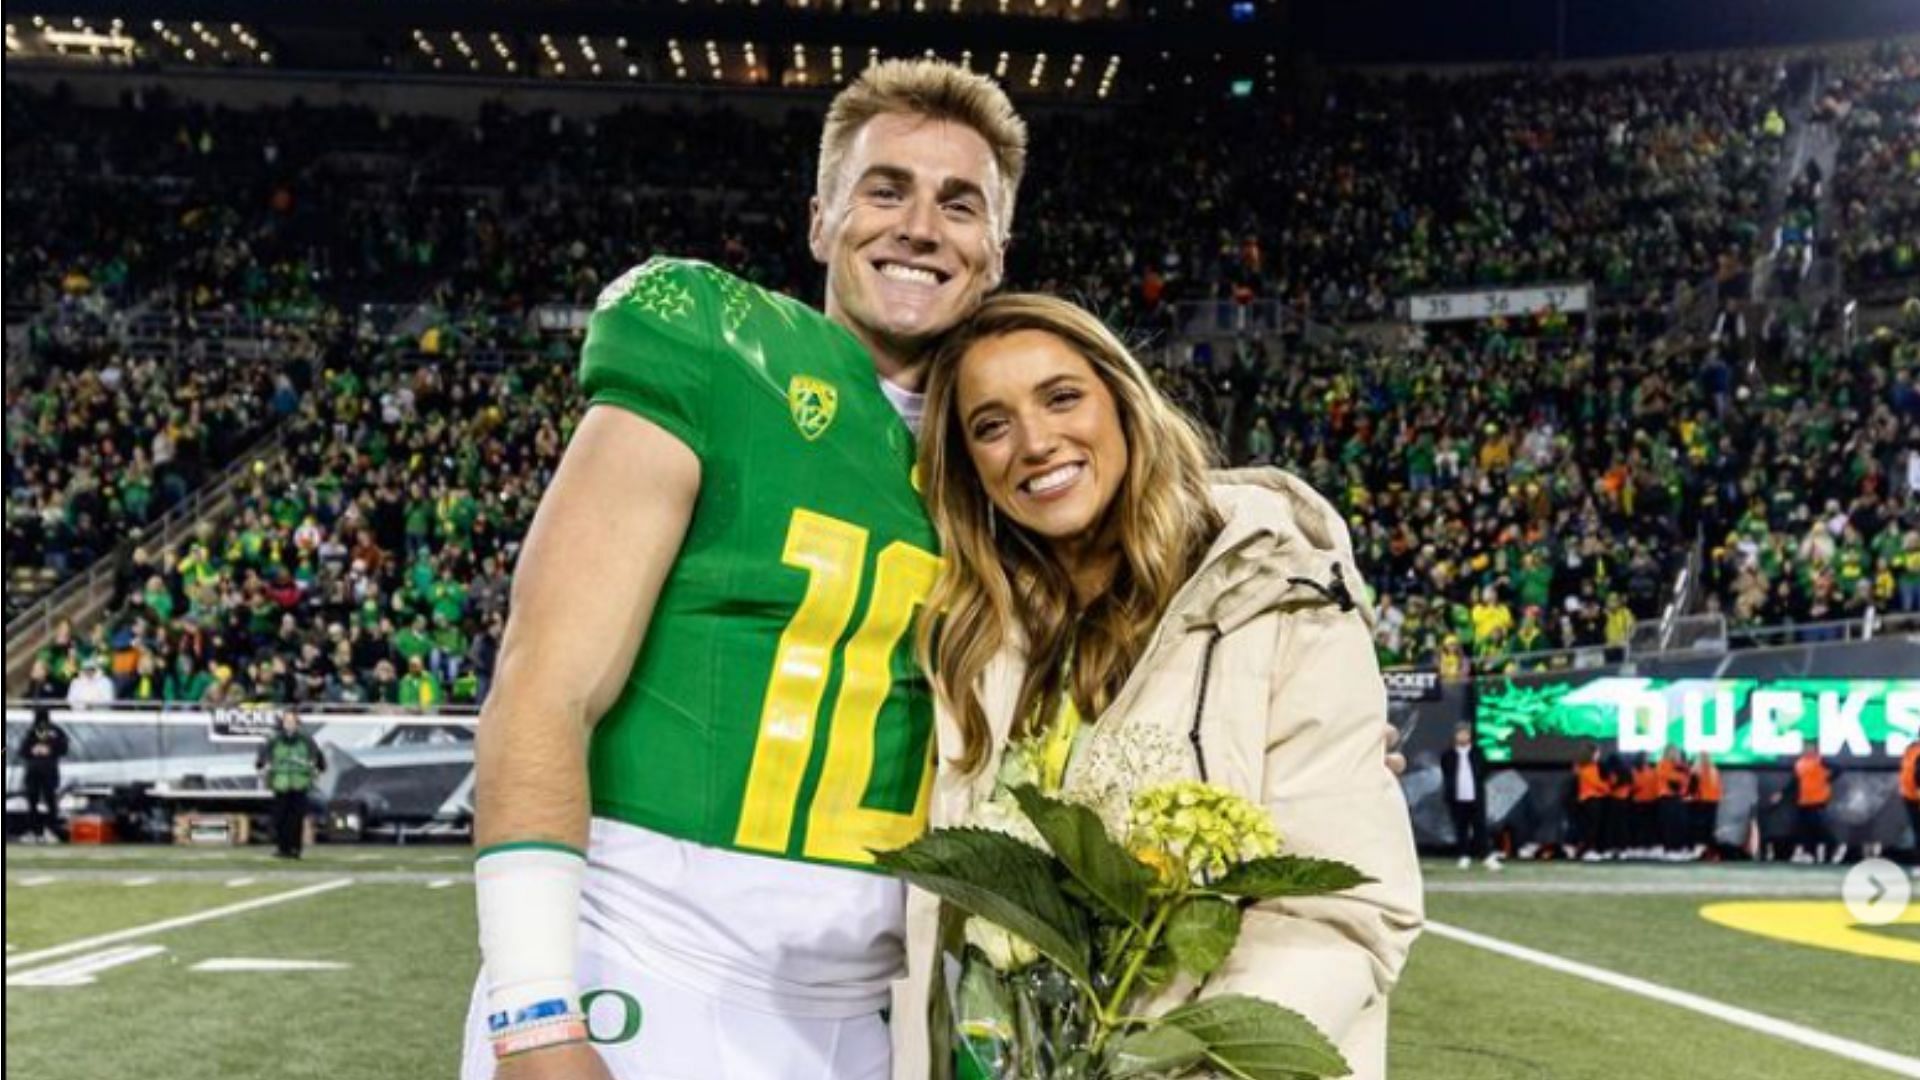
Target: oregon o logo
<point>630,1015</point>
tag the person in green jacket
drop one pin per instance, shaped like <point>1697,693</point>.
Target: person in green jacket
<point>289,763</point>
<point>420,689</point>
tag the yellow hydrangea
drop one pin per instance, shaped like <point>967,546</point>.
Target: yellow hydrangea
<point>1208,829</point>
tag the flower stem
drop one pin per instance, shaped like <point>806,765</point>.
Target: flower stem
<point>1109,1016</point>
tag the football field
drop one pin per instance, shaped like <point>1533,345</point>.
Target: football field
<point>355,964</point>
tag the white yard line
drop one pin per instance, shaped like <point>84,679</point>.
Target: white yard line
<point>23,959</point>
<point>36,881</point>
<point>137,882</point>
<point>440,883</point>
<point>245,964</point>
<point>81,970</point>
<point>240,883</point>
<point>1897,1064</point>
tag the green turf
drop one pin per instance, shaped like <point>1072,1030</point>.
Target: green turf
<point>1464,1014</point>
<point>396,1013</point>
<point>1663,939</point>
<point>425,858</point>
<point>45,915</point>
<point>1460,1014</point>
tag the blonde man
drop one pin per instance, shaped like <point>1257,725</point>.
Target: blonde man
<point>706,712</point>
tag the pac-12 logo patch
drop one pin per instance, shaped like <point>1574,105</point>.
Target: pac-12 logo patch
<point>813,403</point>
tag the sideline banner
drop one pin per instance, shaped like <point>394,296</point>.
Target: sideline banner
<point>1492,303</point>
<point>1740,721</point>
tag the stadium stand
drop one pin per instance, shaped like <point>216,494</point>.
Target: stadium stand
<point>1515,487</point>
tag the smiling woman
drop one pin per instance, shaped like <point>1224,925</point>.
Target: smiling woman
<point>1109,608</point>
<point>1032,407</point>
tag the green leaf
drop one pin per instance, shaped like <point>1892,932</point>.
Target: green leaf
<point>997,878</point>
<point>1201,933</point>
<point>1287,875</point>
<point>1106,870</point>
<point>1256,1039</point>
<point>1156,973</point>
<point>1161,1049</point>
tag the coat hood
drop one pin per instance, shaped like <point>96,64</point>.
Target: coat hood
<point>1282,544</point>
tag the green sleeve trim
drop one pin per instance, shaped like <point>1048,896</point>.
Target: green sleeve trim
<point>530,845</point>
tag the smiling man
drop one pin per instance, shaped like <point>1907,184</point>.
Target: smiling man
<point>706,712</point>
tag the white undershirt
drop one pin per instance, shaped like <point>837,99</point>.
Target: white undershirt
<point>909,405</point>
<point>1463,789</point>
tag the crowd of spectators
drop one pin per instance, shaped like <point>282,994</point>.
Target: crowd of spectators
<point>1512,487</point>
<point>369,564</point>
<point>102,445</point>
<point>1518,489</point>
<point>1638,179</point>
<point>1875,102</point>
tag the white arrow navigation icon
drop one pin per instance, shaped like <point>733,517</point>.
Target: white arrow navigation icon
<point>1877,892</point>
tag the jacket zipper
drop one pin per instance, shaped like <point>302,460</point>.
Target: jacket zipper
<point>1200,706</point>
<point>1336,592</point>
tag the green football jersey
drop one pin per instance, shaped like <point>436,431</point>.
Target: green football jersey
<point>775,706</point>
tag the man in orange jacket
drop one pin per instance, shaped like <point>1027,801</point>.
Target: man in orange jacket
<point>1593,798</point>
<point>1646,813</point>
<point>1910,791</point>
<point>1811,789</point>
<point>1672,778</point>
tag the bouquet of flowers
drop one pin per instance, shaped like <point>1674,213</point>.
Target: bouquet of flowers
<point>1072,927</point>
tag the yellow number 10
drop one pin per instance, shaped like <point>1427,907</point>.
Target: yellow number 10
<point>839,827</point>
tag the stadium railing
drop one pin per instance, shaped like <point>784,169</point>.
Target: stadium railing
<point>1737,639</point>
<point>83,595</point>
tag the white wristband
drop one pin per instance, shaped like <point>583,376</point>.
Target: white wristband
<point>528,898</point>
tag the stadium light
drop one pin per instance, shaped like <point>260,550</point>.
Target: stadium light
<point>88,39</point>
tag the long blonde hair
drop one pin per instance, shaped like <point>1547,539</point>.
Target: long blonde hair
<point>1003,585</point>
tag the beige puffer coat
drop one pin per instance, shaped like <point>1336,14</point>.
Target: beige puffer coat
<point>1264,664</point>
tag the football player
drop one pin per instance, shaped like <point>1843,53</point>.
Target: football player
<point>706,712</point>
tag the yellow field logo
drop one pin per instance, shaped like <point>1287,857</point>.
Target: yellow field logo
<point>813,403</point>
